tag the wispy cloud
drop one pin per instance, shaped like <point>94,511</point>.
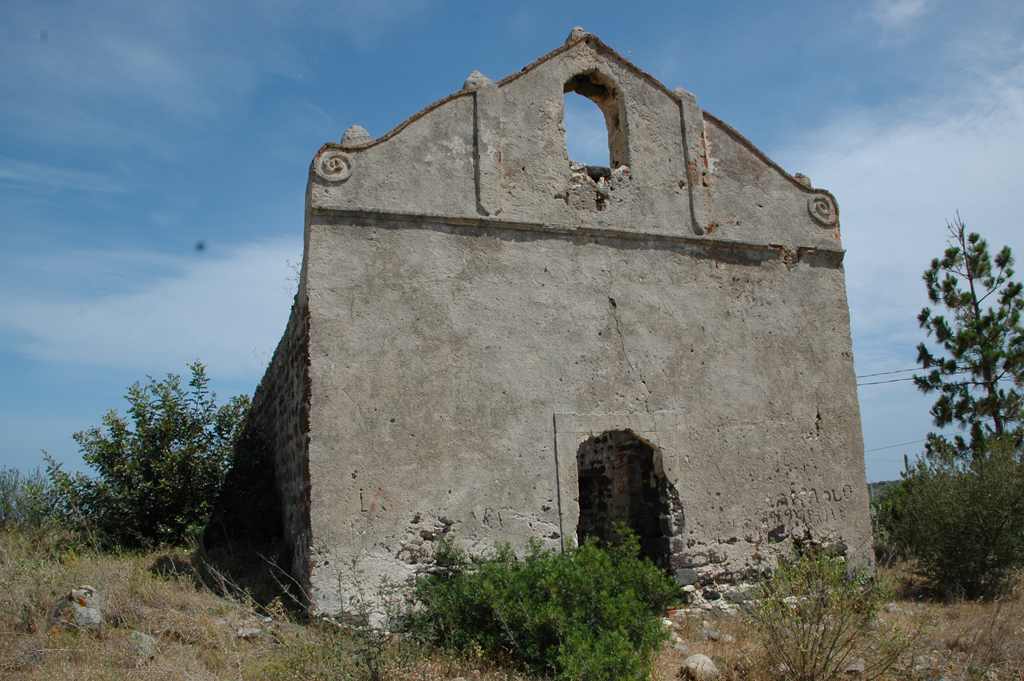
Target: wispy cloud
<point>230,312</point>
<point>114,69</point>
<point>899,174</point>
<point>900,15</point>
<point>38,175</point>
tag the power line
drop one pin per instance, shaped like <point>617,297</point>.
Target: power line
<point>902,444</point>
<point>891,380</point>
<point>886,373</point>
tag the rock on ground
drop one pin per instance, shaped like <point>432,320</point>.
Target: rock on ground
<point>79,608</point>
<point>699,668</point>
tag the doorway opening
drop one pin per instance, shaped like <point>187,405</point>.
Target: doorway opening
<point>619,483</point>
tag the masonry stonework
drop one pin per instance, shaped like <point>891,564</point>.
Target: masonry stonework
<point>493,343</point>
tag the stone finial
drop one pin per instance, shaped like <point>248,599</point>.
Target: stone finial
<point>803,179</point>
<point>682,93</point>
<point>355,136</point>
<point>476,81</point>
<point>576,34</point>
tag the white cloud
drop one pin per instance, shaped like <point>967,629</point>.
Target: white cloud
<point>899,175</point>
<point>228,312</point>
<point>900,15</point>
<point>36,175</point>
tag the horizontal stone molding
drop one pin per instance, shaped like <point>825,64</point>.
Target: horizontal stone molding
<point>698,247</point>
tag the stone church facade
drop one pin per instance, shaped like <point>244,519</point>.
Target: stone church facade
<point>492,343</point>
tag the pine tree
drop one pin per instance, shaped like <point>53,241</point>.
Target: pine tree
<point>980,376</point>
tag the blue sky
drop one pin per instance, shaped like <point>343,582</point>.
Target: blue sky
<point>130,132</point>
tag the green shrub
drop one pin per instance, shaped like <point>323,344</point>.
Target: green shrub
<point>962,519</point>
<point>817,617</point>
<point>23,498</point>
<point>159,475</point>
<point>587,613</point>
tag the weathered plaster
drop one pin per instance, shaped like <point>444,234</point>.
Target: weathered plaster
<point>474,308</point>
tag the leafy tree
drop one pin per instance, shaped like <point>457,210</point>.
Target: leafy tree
<point>979,378</point>
<point>160,470</point>
<point>959,510</point>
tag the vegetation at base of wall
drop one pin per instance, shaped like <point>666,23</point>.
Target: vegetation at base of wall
<point>159,470</point>
<point>818,617</point>
<point>587,613</point>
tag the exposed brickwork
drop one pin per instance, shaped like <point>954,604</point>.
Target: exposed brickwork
<point>280,412</point>
<point>619,483</point>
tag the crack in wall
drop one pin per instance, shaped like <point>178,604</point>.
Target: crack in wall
<point>622,345</point>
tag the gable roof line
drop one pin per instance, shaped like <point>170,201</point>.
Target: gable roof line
<point>597,44</point>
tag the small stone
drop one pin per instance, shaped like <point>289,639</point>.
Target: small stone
<point>941,673</point>
<point>667,622</point>
<point>709,635</point>
<point>79,608</point>
<point>249,633</point>
<point>144,643</point>
<point>575,34</point>
<point>689,588</point>
<point>711,594</point>
<point>790,600</point>
<point>893,609</point>
<point>699,668</point>
<point>687,576</point>
<point>355,136</point>
<point>856,667</point>
<point>738,596</point>
<point>476,81</point>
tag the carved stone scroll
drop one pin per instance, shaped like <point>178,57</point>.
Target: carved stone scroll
<point>333,166</point>
<point>487,152</point>
<point>701,206</point>
<point>823,209</point>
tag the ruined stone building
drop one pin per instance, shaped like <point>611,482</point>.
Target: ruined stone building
<point>492,343</point>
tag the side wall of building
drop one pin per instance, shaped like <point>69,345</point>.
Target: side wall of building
<point>280,413</point>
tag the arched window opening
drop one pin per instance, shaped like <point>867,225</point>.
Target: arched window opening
<point>595,137</point>
<point>619,483</point>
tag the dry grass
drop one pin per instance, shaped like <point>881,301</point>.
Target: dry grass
<point>196,629</point>
<point>980,640</point>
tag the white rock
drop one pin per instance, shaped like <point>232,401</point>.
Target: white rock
<point>249,633</point>
<point>699,668</point>
<point>144,643</point>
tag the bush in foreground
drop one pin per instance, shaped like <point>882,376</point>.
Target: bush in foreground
<point>817,618</point>
<point>587,613</point>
